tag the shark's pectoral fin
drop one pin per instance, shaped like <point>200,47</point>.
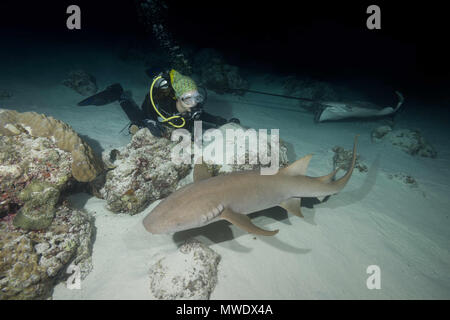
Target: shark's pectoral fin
<point>201,171</point>
<point>292,206</point>
<point>242,221</point>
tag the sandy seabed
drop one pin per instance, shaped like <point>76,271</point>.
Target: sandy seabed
<point>373,221</point>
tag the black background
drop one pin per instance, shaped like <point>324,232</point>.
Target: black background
<point>319,38</point>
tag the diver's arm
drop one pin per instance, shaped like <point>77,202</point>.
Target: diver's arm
<point>217,120</point>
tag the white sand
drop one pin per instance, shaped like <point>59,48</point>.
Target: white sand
<point>373,221</point>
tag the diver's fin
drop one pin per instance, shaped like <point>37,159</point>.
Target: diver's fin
<point>292,206</point>
<point>297,168</point>
<point>109,95</point>
<point>201,170</point>
<point>242,221</point>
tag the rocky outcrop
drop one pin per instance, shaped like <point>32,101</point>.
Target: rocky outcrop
<point>189,273</point>
<point>143,172</point>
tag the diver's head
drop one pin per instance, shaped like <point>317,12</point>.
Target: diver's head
<point>189,101</point>
<point>187,95</point>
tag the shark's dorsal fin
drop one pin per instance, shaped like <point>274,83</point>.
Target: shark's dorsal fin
<point>201,171</point>
<point>242,221</point>
<point>297,168</point>
<point>292,206</point>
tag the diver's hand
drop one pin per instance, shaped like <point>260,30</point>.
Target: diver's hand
<point>156,129</point>
<point>219,121</point>
<point>234,120</point>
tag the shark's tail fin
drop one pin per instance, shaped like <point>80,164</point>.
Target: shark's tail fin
<point>331,187</point>
<point>340,183</point>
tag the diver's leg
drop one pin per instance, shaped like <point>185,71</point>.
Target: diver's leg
<point>109,95</point>
<point>132,110</point>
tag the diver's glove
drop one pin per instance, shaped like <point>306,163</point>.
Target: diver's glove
<point>234,120</point>
<point>156,128</point>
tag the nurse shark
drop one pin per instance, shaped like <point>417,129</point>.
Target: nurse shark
<point>232,196</point>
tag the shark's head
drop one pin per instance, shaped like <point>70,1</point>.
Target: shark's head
<point>172,214</point>
<point>162,219</point>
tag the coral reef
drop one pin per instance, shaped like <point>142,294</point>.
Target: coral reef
<point>189,273</point>
<point>142,173</point>
<point>217,75</point>
<point>85,164</point>
<point>32,262</point>
<point>343,158</point>
<point>39,236</point>
<point>82,82</point>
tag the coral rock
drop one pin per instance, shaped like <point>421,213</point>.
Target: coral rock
<point>86,165</point>
<point>32,262</point>
<point>343,159</point>
<point>412,142</point>
<point>189,273</point>
<point>404,178</point>
<point>39,199</point>
<point>380,132</point>
<point>243,161</point>
<point>143,172</point>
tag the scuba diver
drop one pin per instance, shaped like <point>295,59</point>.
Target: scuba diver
<point>173,101</point>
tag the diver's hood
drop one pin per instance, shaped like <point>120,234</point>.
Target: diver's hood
<point>330,111</point>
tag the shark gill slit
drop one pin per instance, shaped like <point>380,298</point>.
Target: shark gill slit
<point>213,213</point>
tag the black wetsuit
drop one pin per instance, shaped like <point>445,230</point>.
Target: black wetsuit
<point>165,101</point>
<point>146,115</point>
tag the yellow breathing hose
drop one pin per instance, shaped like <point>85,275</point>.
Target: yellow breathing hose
<point>157,111</point>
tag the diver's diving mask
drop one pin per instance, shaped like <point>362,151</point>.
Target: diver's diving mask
<point>191,99</point>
